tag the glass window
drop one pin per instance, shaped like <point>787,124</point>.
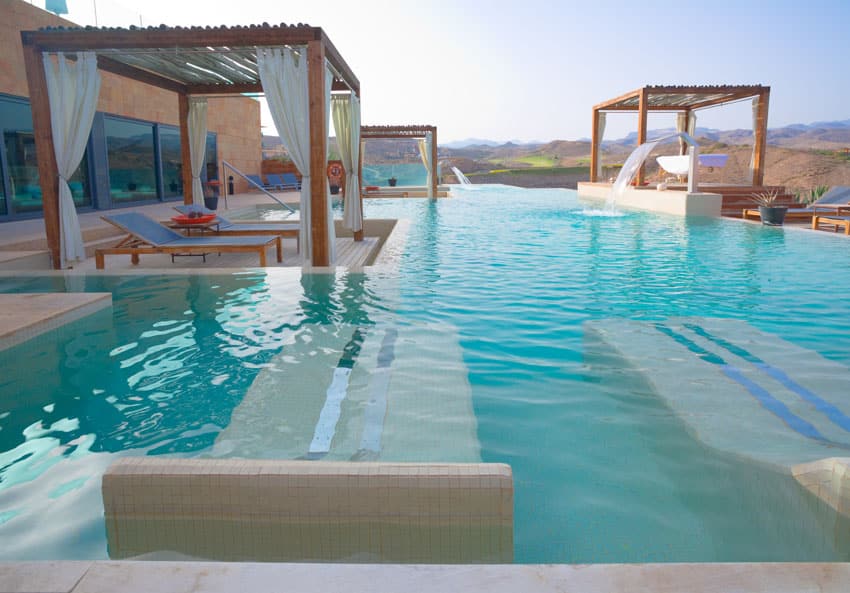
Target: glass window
<point>19,143</point>
<point>172,168</point>
<point>130,149</point>
<point>211,157</point>
<point>23,174</point>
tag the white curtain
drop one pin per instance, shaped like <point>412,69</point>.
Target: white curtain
<point>346,114</point>
<point>72,92</point>
<point>600,132</point>
<point>329,79</point>
<point>755,127</point>
<point>425,152</point>
<point>197,145</point>
<point>283,73</point>
<point>686,121</point>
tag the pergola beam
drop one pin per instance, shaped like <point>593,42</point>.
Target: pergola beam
<point>121,69</point>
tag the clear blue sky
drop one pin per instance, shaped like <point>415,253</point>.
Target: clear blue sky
<point>532,69</point>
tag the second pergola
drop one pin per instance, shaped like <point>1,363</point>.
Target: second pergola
<point>685,100</point>
<point>426,134</point>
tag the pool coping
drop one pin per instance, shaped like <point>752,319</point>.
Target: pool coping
<point>152,576</point>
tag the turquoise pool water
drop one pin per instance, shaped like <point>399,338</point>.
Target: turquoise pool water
<point>604,471</point>
<point>405,173</point>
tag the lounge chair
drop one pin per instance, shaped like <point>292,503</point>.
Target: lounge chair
<point>281,182</point>
<point>226,227</point>
<point>258,181</point>
<point>145,235</point>
<point>837,200</point>
<point>292,180</point>
<point>832,220</point>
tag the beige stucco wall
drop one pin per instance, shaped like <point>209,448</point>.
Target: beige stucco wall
<point>236,119</point>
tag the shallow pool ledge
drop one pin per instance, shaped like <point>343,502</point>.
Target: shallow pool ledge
<point>668,201</point>
<point>829,480</point>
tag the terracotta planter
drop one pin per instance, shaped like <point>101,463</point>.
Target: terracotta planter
<point>773,215</point>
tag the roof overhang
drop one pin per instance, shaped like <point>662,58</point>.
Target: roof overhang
<point>413,132</point>
<point>192,60</point>
<point>681,98</point>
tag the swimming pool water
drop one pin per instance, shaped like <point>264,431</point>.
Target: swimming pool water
<point>604,471</point>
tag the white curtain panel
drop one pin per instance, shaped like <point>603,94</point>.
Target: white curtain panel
<point>197,145</point>
<point>755,126</point>
<point>283,73</point>
<point>346,114</point>
<point>72,91</point>
<point>600,133</point>
<point>329,78</point>
<point>425,153</point>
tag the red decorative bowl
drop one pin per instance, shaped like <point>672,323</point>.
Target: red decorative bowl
<point>183,219</point>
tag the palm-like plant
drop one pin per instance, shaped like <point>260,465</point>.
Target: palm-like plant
<point>765,198</point>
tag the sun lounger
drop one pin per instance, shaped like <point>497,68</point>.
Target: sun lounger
<point>283,182</point>
<point>145,235</point>
<point>227,227</point>
<point>836,200</point>
<point>258,181</point>
<point>831,220</point>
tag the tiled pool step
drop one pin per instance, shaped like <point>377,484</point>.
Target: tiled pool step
<point>266,510</point>
<point>24,316</point>
<point>738,389</point>
<point>369,381</point>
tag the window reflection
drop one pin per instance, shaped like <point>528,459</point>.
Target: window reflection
<point>211,156</point>
<point>130,149</point>
<point>172,169</point>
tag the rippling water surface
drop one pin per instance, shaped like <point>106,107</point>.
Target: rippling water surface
<point>604,471</point>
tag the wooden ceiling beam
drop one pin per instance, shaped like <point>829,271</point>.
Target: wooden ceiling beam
<point>127,71</point>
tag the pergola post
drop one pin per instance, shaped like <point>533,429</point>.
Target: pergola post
<point>594,147</point>
<point>358,235</point>
<point>185,154</point>
<point>760,139</point>
<point>318,153</point>
<point>434,163</point>
<point>643,106</point>
<point>48,172</point>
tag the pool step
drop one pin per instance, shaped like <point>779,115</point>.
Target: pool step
<point>25,260</point>
<point>359,393</point>
<point>738,389</point>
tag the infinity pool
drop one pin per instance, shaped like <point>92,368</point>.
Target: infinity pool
<point>492,319</point>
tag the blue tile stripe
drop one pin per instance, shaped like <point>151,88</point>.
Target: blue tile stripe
<point>828,409</point>
<point>767,401</point>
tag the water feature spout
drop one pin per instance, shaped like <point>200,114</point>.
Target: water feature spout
<point>461,177</point>
<point>637,158</point>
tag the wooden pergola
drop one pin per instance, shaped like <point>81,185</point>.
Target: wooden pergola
<point>401,133</point>
<point>188,61</point>
<point>684,99</point>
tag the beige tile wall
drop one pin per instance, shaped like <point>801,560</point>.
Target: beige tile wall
<point>263,510</point>
<point>236,119</point>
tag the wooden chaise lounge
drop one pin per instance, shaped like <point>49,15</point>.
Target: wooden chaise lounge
<point>147,236</point>
<point>831,220</point>
<point>228,227</point>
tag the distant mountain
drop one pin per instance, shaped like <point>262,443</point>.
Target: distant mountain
<point>479,142</point>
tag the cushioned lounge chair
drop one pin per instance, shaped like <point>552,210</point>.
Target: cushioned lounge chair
<point>145,235</point>
<point>226,227</point>
<point>836,200</point>
<point>256,179</point>
<point>282,182</point>
<point>291,179</point>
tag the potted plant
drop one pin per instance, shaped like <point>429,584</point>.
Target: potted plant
<point>392,181</point>
<point>771,214</point>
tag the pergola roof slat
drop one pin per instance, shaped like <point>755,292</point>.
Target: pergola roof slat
<point>681,98</point>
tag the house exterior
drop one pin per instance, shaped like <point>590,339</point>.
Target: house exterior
<point>133,153</point>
